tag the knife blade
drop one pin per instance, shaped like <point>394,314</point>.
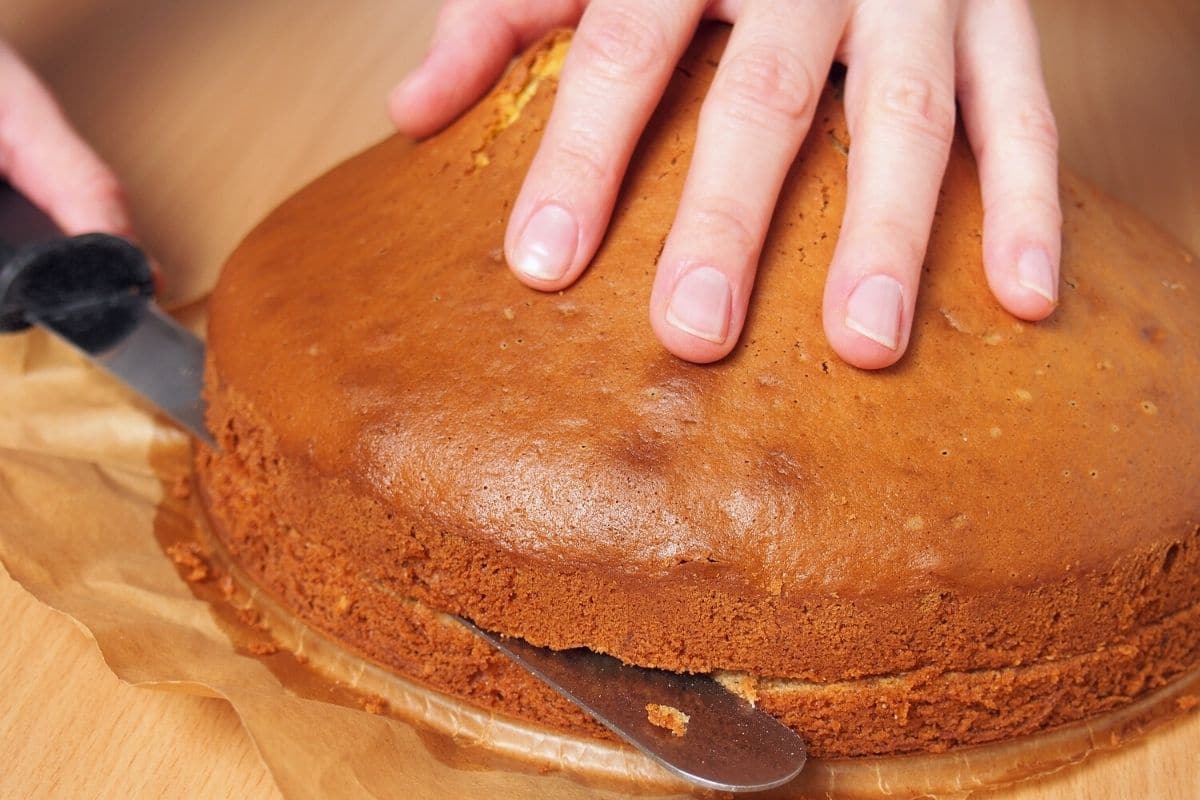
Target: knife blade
<point>728,745</point>
<point>96,293</point>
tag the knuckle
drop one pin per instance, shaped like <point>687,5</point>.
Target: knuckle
<point>903,243</point>
<point>1035,125</point>
<point>1029,131</point>
<point>1013,206</point>
<point>620,43</point>
<point>766,84</point>
<point>727,220</point>
<point>581,159</point>
<point>920,106</point>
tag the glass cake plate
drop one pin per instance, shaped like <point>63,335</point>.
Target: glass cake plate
<point>463,735</point>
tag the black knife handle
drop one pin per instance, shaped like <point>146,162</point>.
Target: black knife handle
<point>73,278</point>
<point>12,314</point>
<point>43,274</point>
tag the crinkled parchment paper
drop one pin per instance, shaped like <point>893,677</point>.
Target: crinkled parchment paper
<point>95,521</point>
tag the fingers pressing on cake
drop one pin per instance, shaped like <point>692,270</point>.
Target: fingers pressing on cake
<point>472,44</point>
<point>900,114</point>
<point>903,61</point>
<point>754,118</point>
<point>1011,128</point>
<point>618,65</point>
<point>43,157</point>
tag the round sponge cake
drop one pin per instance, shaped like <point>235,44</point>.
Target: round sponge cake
<point>997,536</point>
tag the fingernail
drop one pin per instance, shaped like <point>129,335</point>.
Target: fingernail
<point>547,245</point>
<point>875,308</point>
<point>1035,273</point>
<point>700,304</point>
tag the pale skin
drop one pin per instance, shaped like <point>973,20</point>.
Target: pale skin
<point>47,161</point>
<point>907,63</point>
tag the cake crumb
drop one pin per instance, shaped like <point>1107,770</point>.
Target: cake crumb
<point>954,321</point>
<point>226,586</point>
<point>249,616</point>
<point>1187,702</point>
<point>667,717</point>
<point>182,488</point>
<point>739,683</point>
<point>263,648</point>
<point>374,704</point>
<point>188,555</point>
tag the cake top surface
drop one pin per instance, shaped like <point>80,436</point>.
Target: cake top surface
<point>372,322</point>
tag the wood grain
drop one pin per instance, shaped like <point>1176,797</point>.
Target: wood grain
<point>69,728</point>
<point>1122,76</point>
<point>214,110</point>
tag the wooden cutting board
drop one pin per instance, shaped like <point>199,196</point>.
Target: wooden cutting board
<point>215,110</point>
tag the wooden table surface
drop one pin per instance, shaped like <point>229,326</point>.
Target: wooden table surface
<point>214,110</point>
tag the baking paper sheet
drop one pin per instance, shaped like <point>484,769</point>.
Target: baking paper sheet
<point>96,521</point>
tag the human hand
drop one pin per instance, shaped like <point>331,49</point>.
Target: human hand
<point>906,64</point>
<point>44,158</point>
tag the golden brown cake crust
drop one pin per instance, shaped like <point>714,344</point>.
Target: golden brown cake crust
<point>1010,495</point>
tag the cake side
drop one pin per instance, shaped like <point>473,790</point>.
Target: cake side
<point>688,623</point>
<point>373,612</point>
<point>1010,497</point>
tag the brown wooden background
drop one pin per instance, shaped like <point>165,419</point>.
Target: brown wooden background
<point>214,110</point>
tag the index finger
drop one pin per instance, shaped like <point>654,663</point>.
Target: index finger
<point>43,157</point>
